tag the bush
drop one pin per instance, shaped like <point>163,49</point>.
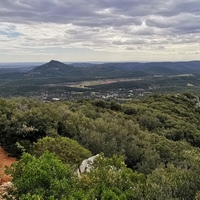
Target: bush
<point>68,150</point>
<point>46,177</point>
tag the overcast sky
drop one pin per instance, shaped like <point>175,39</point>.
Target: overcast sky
<point>99,30</point>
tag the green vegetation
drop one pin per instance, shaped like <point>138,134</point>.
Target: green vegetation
<point>45,178</point>
<point>150,147</point>
<point>67,150</point>
<point>113,80</point>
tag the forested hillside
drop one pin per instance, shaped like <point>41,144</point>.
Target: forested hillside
<point>116,81</point>
<point>149,147</point>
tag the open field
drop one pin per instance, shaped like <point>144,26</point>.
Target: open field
<point>85,84</point>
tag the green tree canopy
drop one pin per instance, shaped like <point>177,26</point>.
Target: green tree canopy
<point>46,177</point>
<point>68,150</point>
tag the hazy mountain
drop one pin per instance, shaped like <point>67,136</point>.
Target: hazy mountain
<point>113,70</point>
<point>20,64</point>
<point>106,70</point>
<point>54,68</point>
<point>54,75</point>
<point>82,64</point>
<point>163,68</point>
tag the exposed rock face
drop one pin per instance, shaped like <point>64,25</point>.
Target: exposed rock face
<point>5,183</point>
<point>5,160</point>
<point>86,165</point>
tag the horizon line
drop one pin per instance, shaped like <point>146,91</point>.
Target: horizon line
<point>20,62</point>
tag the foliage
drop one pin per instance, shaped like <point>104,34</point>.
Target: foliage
<point>111,179</point>
<point>67,150</point>
<point>158,137</point>
<point>168,183</point>
<point>45,177</point>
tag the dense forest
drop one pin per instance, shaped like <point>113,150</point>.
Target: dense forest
<point>149,148</point>
<point>116,81</point>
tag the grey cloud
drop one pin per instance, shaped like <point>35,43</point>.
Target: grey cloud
<point>88,12</point>
<point>138,22</point>
<point>41,11</point>
<point>91,13</point>
<point>184,6</point>
<point>161,22</point>
<point>130,42</point>
<point>180,24</point>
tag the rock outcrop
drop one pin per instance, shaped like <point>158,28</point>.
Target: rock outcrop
<point>86,165</point>
<point>3,190</point>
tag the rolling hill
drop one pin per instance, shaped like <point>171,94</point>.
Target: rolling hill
<point>54,68</point>
<point>63,79</point>
<point>106,70</point>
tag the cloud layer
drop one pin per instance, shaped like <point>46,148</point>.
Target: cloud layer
<point>106,30</point>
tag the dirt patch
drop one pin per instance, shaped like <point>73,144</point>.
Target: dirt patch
<point>5,160</point>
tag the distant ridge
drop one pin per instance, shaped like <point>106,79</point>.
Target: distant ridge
<point>112,70</point>
<point>52,68</point>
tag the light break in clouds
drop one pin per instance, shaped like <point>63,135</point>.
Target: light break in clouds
<point>99,30</point>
